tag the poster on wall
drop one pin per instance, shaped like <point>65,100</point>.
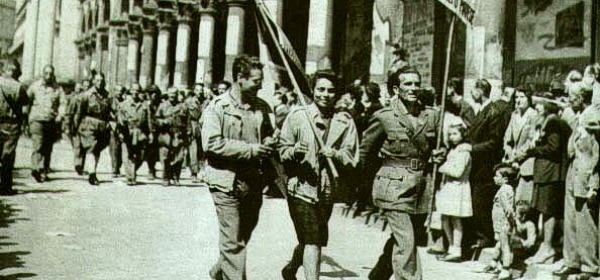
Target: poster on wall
<point>553,37</point>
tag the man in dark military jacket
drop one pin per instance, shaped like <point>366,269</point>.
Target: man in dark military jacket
<point>401,137</point>
<point>12,100</point>
<point>195,105</point>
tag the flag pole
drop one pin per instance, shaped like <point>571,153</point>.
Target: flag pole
<point>320,142</point>
<point>440,131</point>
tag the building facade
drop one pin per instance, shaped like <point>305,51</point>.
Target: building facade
<point>7,21</point>
<point>44,34</point>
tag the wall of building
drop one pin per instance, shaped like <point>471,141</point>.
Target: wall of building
<point>418,36</point>
<point>65,51</point>
<point>552,38</point>
<point>7,21</point>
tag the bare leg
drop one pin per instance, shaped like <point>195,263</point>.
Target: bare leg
<point>312,262</point>
<point>457,233</point>
<point>447,226</point>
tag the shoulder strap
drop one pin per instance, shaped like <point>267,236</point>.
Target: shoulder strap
<point>10,102</point>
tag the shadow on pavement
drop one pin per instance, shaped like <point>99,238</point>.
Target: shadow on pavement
<point>43,191</point>
<point>11,259</point>
<point>339,271</point>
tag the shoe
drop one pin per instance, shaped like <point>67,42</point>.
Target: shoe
<point>288,273</point>
<point>93,180</point>
<point>541,259</point>
<point>215,273</point>
<point>8,192</point>
<point>586,276</point>
<point>503,275</point>
<point>450,258</point>
<point>45,177</point>
<point>152,175</point>
<point>116,175</point>
<point>565,271</point>
<point>36,176</point>
<point>130,182</point>
<point>166,183</point>
<point>433,251</point>
<point>79,170</point>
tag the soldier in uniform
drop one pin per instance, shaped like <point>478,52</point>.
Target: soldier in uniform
<point>153,99</point>
<point>171,122</point>
<point>311,190</point>
<point>12,100</point>
<point>135,120</point>
<point>115,147</point>
<point>195,104</point>
<point>78,152</point>
<point>235,137</point>
<point>402,137</point>
<point>47,106</point>
<point>91,121</point>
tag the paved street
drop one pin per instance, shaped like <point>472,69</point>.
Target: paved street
<point>65,229</point>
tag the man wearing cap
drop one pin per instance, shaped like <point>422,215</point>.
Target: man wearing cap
<point>153,99</point>
<point>236,137</point>
<point>171,121</point>
<point>195,105</point>
<point>12,100</point>
<point>401,137</point>
<point>134,118</point>
<point>47,107</point>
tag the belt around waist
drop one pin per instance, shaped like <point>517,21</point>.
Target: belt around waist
<point>410,163</point>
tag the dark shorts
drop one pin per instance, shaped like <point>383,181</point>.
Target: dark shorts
<point>549,199</point>
<point>310,221</point>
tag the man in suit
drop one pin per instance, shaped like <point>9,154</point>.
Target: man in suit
<point>485,134</point>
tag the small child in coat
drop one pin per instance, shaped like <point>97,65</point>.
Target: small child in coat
<point>503,217</point>
<point>454,197</point>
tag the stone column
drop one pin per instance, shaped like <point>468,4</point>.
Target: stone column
<point>234,42</point>
<point>29,44</point>
<point>133,51</point>
<point>102,41</point>
<point>206,31</point>
<point>122,47</point>
<point>147,53</point>
<point>45,35</point>
<point>81,61</point>
<point>94,52</point>
<point>275,8</point>
<point>484,47</point>
<point>161,74</point>
<point>88,50</point>
<point>182,49</point>
<point>320,30</point>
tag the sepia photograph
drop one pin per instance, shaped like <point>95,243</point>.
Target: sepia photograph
<point>300,139</point>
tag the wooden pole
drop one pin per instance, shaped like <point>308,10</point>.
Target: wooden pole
<point>320,142</point>
<point>440,131</point>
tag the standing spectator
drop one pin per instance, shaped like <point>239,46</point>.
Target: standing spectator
<point>47,106</point>
<point>236,136</point>
<point>503,218</point>
<point>223,87</point>
<point>517,136</point>
<point>550,168</point>
<point>310,192</point>
<point>402,137</point>
<point>486,134</point>
<point>580,242</point>
<point>172,124</point>
<point>12,100</point>
<point>455,93</point>
<point>453,200</point>
<point>91,121</point>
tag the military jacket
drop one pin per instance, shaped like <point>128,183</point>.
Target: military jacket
<point>402,144</point>
<point>309,176</point>
<point>195,107</point>
<point>93,104</point>
<point>12,99</point>
<point>135,118</point>
<point>47,102</point>
<point>231,133</point>
<point>171,117</point>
